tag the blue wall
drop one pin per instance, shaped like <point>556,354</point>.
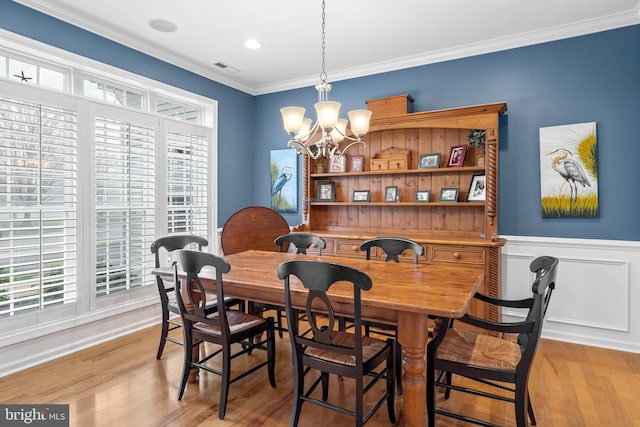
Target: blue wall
<point>583,79</point>
<point>589,78</point>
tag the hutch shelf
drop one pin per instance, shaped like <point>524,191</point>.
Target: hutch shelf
<point>452,232</point>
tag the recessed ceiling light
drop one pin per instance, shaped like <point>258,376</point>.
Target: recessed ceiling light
<point>162,25</point>
<point>252,44</point>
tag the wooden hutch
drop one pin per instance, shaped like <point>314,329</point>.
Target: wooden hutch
<point>452,233</point>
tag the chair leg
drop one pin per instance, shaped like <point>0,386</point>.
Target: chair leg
<point>271,357</point>
<point>186,366</point>
<point>390,395</point>
<point>298,391</point>
<point>359,401</point>
<point>226,376</point>
<point>520,402</point>
<point>325,386</point>
<point>448,378</point>
<point>532,417</point>
<point>164,332</point>
<point>398,366</point>
<point>280,327</point>
<point>431,393</point>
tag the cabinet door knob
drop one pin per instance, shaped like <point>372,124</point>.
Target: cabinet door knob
<point>355,248</point>
<point>456,255</point>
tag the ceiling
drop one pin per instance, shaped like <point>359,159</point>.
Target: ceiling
<point>362,36</point>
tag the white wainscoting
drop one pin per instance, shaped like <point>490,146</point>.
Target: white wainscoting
<point>597,285</point>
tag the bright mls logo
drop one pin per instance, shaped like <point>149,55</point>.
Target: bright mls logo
<point>34,415</point>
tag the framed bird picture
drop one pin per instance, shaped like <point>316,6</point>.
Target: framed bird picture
<point>569,171</point>
<point>284,180</point>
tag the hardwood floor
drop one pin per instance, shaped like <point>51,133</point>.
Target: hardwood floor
<point>120,383</point>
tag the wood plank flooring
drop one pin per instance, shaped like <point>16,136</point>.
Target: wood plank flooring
<point>120,383</point>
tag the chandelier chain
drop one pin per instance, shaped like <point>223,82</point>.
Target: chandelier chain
<point>323,74</point>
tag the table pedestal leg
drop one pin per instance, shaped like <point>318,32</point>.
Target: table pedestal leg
<point>412,335</point>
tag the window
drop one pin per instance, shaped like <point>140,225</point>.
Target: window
<point>187,189</point>
<point>32,73</point>
<point>178,111</point>
<point>113,95</point>
<point>125,217</point>
<point>84,190</point>
<point>38,203</point>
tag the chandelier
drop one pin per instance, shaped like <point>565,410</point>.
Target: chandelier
<point>333,128</point>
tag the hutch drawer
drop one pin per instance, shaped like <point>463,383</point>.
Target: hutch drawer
<point>456,254</point>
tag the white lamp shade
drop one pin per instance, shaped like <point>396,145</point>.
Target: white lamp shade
<point>328,112</point>
<point>338,132</point>
<point>359,121</point>
<point>292,118</point>
<point>303,134</point>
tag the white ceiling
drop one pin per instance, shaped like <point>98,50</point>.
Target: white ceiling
<point>362,36</point>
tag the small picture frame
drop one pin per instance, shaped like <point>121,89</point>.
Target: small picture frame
<point>422,195</point>
<point>477,189</point>
<point>337,164</point>
<point>360,195</point>
<point>326,191</point>
<point>391,194</point>
<point>357,164</point>
<point>449,195</point>
<point>429,161</point>
<point>456,157</point>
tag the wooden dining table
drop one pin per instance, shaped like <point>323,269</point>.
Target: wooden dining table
<point>403,294</point>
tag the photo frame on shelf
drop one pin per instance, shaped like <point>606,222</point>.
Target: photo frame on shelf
<point>456,156</point>
<point>326,191</point>
<point>477,189</point>
<point>357,164</point>
<point>391,194</point>
<point>361,195</point>
<point>449,195</point>
<point>337,164</point>
<point>422,195</point>
<point>429,161</point>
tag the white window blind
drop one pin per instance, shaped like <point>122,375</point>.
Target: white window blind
<point>125,163</point>
<point>38,206</point>
<point>187,183</point>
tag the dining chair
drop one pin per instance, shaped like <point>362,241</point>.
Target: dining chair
<point>162,249</point>
<point>224,327</point>
<point>255,227</point>
<point>325,349</point>
<point>392,247</point>
<point>492,353</point>
<point>301,241</point>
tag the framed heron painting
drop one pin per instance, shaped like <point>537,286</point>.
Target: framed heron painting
<point>284,180</point>
<point>569,171</point>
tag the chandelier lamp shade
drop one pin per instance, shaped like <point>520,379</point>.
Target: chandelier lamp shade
<point>331,128</point>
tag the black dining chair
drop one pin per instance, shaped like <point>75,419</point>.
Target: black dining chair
<point>162,249</point>
<point>492,353</point>
<point>392,248</point>
<point>224,327</point>
<point>301,241</point>
<point>326,349</point>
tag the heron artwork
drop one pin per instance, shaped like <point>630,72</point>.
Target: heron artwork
<point>284,177</point>
<point>281,180</point>
<point>570,169</point>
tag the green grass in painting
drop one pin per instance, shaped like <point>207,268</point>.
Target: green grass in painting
<point>586,152</point>
<point>280,204</point>
<point>582,207</point>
